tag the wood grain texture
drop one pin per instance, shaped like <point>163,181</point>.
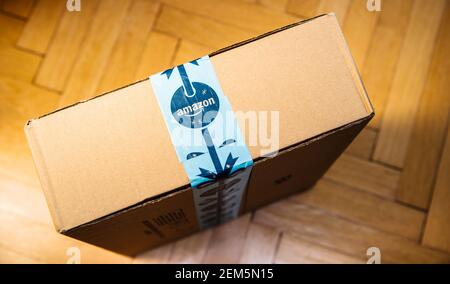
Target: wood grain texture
<point>41,25</point>
<point>20,101</point>
<point>192,27</point>
<point>23,199</point>
<point>364,208</point>
<point>260,245</point>
<point>21,8</point>
<point>240,14</point>
<point>157,54</point>
<point>354,172</point>
<point>159,255</point>
<point>408,82</point>
<point>127,53</point>
<point>278,5</point>
<point>383,54</point>
<point>17,230</point>
<point>322,228</point>
<point>358,29</point>
<point>11,31</point>
<point>303,8</point>
<point>227,241</point>
<point>363,144</point>
<point>15,63</point>
<point>312,8</point>
<point>340,8</point>
<point>8,256</point>
<point>428,133</point>
<point>188,51</point>
<point>191,249</point>
<point>95,52</point>
<point>295,249</point>
<point>65,46</point>
<point>437,230</point>
<point>11,58</point>
<point>378,192</point>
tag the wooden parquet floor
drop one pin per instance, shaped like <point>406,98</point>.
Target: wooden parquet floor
<point>390,189</point>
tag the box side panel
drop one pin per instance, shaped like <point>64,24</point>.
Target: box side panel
<point>299,168</point>
<point>144,226</point>
<point>42,173</point>
<point>172,217</point>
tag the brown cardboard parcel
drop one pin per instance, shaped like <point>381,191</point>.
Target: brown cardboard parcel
<point>110,173</point>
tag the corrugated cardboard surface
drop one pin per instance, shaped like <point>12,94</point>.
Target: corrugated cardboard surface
<point>173,216</point>
<point>114,151</point>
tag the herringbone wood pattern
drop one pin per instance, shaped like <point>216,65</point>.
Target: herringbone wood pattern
<point>391,189</point>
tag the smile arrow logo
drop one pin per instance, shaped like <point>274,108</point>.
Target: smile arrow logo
<point>195,105</point>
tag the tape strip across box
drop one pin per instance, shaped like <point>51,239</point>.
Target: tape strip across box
<point>194,106</point>
<point>115,176</point>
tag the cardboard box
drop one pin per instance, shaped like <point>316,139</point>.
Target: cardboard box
<point>109,170</point>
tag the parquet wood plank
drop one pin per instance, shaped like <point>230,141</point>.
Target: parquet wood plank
<point>411,72</point>
<point>43,243</point>
<point>260,245</point>
<point>23,199</point>
<point>340,8</point>
<point>191,249</point>
<point>227,241</point>
<point>365,175</point>
<point>65,46</point>
<point>20,101</point>
<point>279,5</point>
<point>40,27</point>
<point>312,8</point>
<point>325,229</point>
<point>358,29</point>
<point>188,51</point>
<point>303,8</point>
<point>294,249</point>
<point>7,256</point>
<point>428,133</point>
<point>11,29</point>
<point>437,229</point>
<point>15,63</point>
<point>159,255</point>
<point>95,52</point>
<point>127,53</point>
<point>21,8</point>
<point>198,29</point>
<point>363,144</point>
<point>382,56</point>
<point>157,55</point>
<point>364,208</point>
<point>236,13</point>
<point>11,58</point>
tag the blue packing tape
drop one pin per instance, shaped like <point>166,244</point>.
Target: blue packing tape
<point>201,122</point>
